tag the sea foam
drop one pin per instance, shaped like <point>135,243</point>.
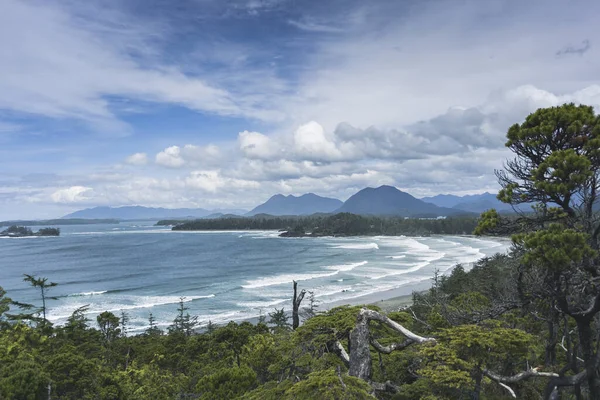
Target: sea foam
<point>358,246</point>
<point>289,278</point>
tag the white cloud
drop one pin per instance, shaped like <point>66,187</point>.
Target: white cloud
<point>137,159</point>
<point>213,181</point>
<point>170,157</point>
<point>257,145</point>
<point>311,143</point>
<point>73,194</point>
<point>189,155</point>
<point>311,25</point>
<point>56,65</point>
<point>202,155</point>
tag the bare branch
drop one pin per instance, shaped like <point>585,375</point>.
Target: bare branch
<point>392,347</point>
<point>371,315</point>
<point>341,352</point>
<point>360,339</point>
<point>505,386</point>
<point>532,373</point>
<point>384,387</point>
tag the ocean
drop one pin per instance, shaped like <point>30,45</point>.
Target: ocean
<point>140,269</point>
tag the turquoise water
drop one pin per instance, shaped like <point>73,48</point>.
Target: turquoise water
<point>139,268</point>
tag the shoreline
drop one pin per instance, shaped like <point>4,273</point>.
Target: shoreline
<point>388,300</point>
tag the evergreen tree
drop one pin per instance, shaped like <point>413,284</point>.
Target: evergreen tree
<point>44,286</point>
<point>152,328</point>
<point>183,323</point>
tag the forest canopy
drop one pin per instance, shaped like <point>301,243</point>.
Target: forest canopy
<point>342,224</point>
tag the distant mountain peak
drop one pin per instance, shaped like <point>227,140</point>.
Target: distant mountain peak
<point>305,204</point>
<point>141,212</point>
<point>389,200</point>
<point>472,202</point>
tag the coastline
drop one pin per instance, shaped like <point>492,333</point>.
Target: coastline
<point>387,300</point>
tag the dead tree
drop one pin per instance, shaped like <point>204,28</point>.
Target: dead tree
<point>361,340</point>
<point>296,306</point>
<point>360,363</point>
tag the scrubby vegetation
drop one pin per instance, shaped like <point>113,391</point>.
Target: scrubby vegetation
<point>521,325</point>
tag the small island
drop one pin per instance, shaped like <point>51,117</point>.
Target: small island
<point>23,231</point>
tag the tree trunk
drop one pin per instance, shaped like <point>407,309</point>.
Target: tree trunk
<point>296,306</point>
<point>477,390</point>
<point>552,340</point>
<point>587,349</point>
<point>360,353</point>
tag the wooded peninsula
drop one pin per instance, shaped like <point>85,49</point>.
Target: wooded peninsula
<point>342,224</point>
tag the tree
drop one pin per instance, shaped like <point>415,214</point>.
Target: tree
<point>313,304</point>
<point>152,328</point>
<point>184,322</point>
<point>279,319</point>
<point>329,385</point>
<point>296,306</point>
<point>5,303</point>
<point>109,326</point>
<point>557,170</point>
<point>465,354</point>
<point>44,286</point>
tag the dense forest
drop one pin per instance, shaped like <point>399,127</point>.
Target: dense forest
<point>520,325</point>
<point>342,224</point>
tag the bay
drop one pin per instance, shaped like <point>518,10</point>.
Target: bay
<point>140,269</point>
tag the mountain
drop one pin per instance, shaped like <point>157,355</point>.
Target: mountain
<point>306,204</point>
<point>387,200</point>
<point>139,212</point>
<point>445,200</point>
<point>474,203</point>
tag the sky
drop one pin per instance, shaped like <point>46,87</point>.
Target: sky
<point>224,103</point>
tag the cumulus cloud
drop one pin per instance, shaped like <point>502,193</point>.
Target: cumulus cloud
<point>170,157</point>
<point>189,155</point>
<point>137,159</point>
<point>257,145</point>
<point>311,143</point>
<point>73,194</point>
<point>212,181</point>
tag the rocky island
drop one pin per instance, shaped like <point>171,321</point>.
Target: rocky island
<point>23,231</point>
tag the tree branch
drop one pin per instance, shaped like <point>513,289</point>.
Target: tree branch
<point>371,315</point>
<point>392,347</point>
<point>532,373</point>
<point>341,352</point>
<point>385,387</point>
<point>505,386</point>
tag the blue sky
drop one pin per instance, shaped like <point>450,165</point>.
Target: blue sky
<point>223,103</point>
